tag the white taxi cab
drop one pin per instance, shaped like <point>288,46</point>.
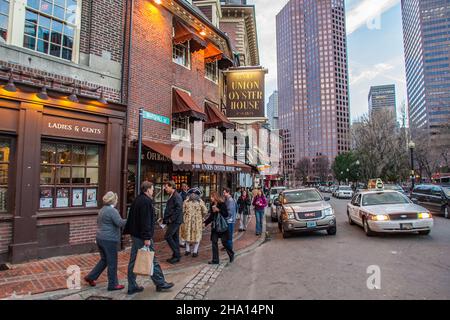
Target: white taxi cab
<point>388,211</point>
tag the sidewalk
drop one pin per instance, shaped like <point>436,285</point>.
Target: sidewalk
<point>41,279</point>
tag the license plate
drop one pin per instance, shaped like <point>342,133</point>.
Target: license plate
<point>406,226</point>
<point>311,224</point>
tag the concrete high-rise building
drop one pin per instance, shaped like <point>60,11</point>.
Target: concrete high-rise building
<point>313,80</point>
<point>272,110</point>
<point>426,33</point>
<point>382,98</point>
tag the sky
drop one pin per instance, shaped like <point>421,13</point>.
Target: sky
<point>374,41</point>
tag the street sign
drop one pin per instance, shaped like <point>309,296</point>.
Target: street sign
<point>155,117</point>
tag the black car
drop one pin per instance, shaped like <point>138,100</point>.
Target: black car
<point>434,197</point>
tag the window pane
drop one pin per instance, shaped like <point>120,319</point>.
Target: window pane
<point>44,33</point>
<point>46,198</point>
<point>55,50</point>
<point>78,175</point>
<point>42,46</point>
<point>4,7</point>
<point>29,42</point>
<point>78,155</point>
<point>31,17</point>
<point>4,151</point>
<point>48,153</point>
<point>46,7</point>
<point>3,199</point>
<point>63,175</point>
<point>92,175</point>
<point>33,4</point>
<point>47,176</point>
<point>44,22</point>
<point>61,3</point>
<point>63,154</point>
<point>58,12</point>
<point>67,54</point>
<point>68,31</point>
<point>68,42</point>
<point>92,156</point>
<point>3,174</point>
<point>56,37</point>
<point>30,29</point>
<point>57,26</point>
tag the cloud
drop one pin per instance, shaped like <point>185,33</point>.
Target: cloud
<point>370,73</point>
<point>366,12</point>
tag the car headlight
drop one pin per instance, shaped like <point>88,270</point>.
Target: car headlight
<point>424,215</point>
<point>328,212</point>
<point>379,217</point>
<point>290,215</point>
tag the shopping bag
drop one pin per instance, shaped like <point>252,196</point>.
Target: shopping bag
<point>143,265</point>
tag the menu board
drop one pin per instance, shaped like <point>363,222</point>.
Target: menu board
<point>62,197</point>
<point>91,197</point>
<point>77,197</point>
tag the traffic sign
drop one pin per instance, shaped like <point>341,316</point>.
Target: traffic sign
<point>155,117</point>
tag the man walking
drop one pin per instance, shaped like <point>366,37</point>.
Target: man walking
<point>173,218</point>
<point>232,211</point>
<point>140,225</point>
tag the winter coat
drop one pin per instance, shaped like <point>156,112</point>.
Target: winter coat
<point>194,213</point>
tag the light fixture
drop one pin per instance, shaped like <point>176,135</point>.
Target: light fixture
<point>43,93</point>
<point>73,97</point>
<point>11,87</point>
<point>158,1</point>
<point>102,98</point>
<point>203,33</point>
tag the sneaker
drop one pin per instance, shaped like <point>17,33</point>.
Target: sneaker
<point>135,290</point>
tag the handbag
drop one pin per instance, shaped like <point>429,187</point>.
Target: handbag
<point>220,224</point>
<point>143,265</point>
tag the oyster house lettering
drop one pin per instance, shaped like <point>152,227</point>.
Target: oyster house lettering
<point>245,93</point>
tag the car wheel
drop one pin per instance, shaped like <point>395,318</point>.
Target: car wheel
<point>424,233</point>
<point>350,221</point>
<point>367,230</point>
<point>331,231</point>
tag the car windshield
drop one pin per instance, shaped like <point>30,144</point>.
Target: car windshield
<point>374,199</point>
<point>302,196</point>
<point>345,188</point>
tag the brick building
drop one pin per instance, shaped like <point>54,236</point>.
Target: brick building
<point>61,143</point>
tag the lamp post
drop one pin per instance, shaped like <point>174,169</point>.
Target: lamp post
<point>357,173</point>
<point>412,146</point>
<point>346,178</point>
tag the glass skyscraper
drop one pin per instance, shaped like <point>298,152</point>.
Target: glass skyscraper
<point>313,80</point>
<point>382,97</point>
<point>426,33</point>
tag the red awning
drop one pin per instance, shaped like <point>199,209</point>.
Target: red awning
<point>212,53</point>
<point>185,33</point>
<point>185,106</point>
<point>216,118</point>
<point>187,158</point>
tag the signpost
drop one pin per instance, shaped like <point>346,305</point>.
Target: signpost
<point>148,116</point>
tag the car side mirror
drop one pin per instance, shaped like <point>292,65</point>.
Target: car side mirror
<point>327,198</point>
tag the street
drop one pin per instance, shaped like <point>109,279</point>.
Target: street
<point>318,266</point>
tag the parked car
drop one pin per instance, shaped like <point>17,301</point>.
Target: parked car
<point>273,194</point>
<point>333,189</point>
<point>388,211</point>
<point>303,210</point>
<point>434,197</point>
<point>344,192</point>
<point>395,187</point>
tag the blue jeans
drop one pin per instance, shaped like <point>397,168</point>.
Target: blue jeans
<point>157,277</point>
<point>230,235</point>
<point>108,258</point>
<point>259,220</point>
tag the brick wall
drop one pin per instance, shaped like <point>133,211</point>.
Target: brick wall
<point>153,73</point>
<point>82,230</point>
<point>5,236</point>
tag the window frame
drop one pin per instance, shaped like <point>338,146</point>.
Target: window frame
<point>10,185</point>
<point>215,78</point>
<point>187,57</point>
<point>186,123</point>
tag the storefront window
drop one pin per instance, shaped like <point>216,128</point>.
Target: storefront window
<point>4,14</point>
<point>69,175</point>
<point>5,149</point>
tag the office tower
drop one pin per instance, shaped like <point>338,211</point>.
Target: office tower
<point>272,110</point>
<point>382,98</point>
<point>313,80</point>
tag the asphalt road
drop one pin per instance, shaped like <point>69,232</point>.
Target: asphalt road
<point>318,266</point>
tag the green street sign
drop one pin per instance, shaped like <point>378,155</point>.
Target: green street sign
<point>155,117</point>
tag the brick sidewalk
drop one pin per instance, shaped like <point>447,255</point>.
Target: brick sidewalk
<point>50,274</point>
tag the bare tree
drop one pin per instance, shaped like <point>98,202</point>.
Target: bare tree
<point>302,169</point>
<point>323,168</point>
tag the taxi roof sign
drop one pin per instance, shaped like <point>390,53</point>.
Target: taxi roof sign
<point>375,184</point>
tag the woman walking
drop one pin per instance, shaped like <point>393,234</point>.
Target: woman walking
<point>109,223</point>
<point>194,212</point>
<point>244,210</point>
<point>260,203</point>
<point>218,206</point>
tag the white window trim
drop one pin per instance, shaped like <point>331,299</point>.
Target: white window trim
<point>217,73</point>
<point>16,29</point>
<point>188,56</point>
<point>176,137</point>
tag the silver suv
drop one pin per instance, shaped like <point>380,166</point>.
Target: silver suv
<point>303,210</point>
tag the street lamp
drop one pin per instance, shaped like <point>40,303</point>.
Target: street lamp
<point>346,178</point>
<point>412,146</point>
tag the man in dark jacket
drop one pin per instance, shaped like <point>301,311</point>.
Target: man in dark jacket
<point>173,218</point>
<point>140,225</point>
